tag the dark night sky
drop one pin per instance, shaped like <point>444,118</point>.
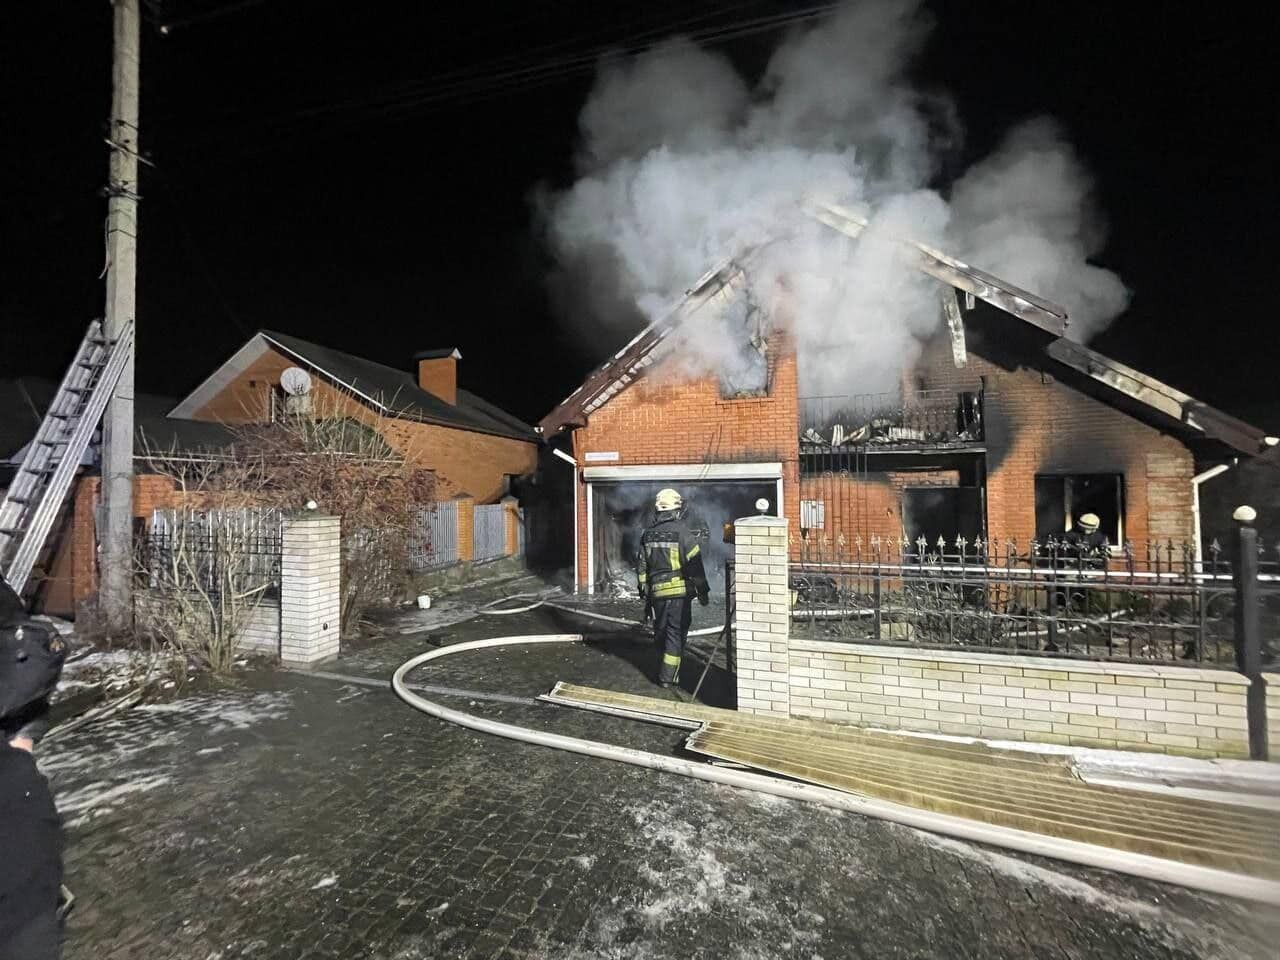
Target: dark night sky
<point>287,198</point>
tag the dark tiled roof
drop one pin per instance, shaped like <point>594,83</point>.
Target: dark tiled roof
<point>154,430</point>
<point>18,421</point>
<point>399,392</point>
<point>157,432</point>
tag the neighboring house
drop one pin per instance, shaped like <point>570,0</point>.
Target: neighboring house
<point>474,448</point>
<point>1001,429</point>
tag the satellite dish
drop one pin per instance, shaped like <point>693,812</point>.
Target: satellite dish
<point>295,381</point>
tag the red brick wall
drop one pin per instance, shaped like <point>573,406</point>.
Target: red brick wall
<point>870,507</point>
<point>667,418</point>
<point>474,463</point>
<point>1038,425</point>
<point>74,570</point>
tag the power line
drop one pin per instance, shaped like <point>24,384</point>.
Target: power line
<point>523,60</point>
<point>167,27</point>
<point>465,90</point>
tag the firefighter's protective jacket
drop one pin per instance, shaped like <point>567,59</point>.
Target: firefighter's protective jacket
<point>670,561</point>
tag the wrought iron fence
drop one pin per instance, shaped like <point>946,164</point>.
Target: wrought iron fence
<point>489,532</point>
<point>1147,602</point>
<point>920,418</point>
<point>213,551</point>
<point>435,536</point>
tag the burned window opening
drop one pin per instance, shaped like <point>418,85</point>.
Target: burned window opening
<point>745,370</point>
<point>951,513</point>
<point>1061,500</point>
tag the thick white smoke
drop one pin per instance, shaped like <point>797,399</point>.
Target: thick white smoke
<point>682,163</point>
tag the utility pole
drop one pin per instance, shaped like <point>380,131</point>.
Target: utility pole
<point>116,533</point>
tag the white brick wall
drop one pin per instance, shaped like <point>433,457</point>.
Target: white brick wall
<point>1037,699</point>
<point>258,633</point>
<point>310,591</point>
<point>261,633</point>
<point>761,614</point>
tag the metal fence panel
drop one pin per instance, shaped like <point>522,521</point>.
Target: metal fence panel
<point>236,548</point>
<point>435,541</point>
<point>1137,602</point>
<point>489,532</point>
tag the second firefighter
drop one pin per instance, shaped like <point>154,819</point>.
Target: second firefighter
<point>670,575</point>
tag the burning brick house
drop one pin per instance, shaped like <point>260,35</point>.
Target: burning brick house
<point>1000,428</point>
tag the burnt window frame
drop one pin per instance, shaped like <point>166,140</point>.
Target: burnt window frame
<point>755,342</point>
<point>1115,537</point>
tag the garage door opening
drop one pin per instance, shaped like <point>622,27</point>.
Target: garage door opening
<point>621,510</point>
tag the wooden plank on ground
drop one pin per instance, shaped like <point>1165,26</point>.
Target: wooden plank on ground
<point>1029,791</point>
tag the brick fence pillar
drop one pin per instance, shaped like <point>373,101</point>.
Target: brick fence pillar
<point>84,541</point>
<point>466,529</point>
<point>310,589</point>
<point>511,525</point>
<point>762,617</point>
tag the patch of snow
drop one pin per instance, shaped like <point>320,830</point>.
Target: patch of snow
<point>64,628</point>
<point>99,798</point>
<point>328,881</point>
<point>585,862</point>
<point>220,714</point>
<point>109,669</point>
<point>129,743</point>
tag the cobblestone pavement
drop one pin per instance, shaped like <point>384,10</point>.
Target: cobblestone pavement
<point>294,816</point>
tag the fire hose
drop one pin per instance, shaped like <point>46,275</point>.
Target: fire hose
<point>718,632</point>
<point>540,601</point>
<point>1073,851</point>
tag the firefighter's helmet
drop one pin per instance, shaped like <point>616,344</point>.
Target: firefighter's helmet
<point>667,500</point>
<point>1089,523</point>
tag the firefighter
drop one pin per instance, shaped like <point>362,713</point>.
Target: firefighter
<point>670,575</point>
<point>1084,538</point>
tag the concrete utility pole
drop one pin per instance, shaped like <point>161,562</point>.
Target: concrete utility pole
<point>116,533</point>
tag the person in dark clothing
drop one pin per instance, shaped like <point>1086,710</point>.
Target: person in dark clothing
<point>1085,540</point>
<point>670,574</point>
<point>31,657</point>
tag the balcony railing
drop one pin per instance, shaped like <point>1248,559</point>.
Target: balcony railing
<point>926,418</point>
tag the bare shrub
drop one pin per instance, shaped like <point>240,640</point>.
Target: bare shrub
<point>336,455</point>
<point>205,567</point>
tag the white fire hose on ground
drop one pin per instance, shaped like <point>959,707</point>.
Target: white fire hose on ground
<point>1073,851</point>
<point>719,632</point>
<point>491,609</point>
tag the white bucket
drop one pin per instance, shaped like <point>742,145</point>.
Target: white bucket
<point>424,602</point>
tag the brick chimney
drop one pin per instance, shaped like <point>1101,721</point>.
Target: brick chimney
<point>438,373</point>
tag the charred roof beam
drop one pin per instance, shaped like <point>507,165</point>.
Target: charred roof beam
<point>978,283</point>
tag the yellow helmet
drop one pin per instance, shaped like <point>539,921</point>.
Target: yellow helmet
<point>668,499</point>
<point>1089,522</point>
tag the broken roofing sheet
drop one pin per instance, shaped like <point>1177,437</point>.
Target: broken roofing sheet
<point>1033,792</point>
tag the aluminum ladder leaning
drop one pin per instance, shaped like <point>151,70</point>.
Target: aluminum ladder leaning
<point>42,482</point>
